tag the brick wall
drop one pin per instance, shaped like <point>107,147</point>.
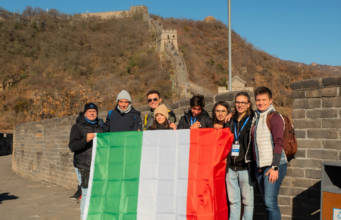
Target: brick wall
<point>41,152</point>
<point>317,121</point>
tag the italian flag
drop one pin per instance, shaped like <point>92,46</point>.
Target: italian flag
<point>164,174</point>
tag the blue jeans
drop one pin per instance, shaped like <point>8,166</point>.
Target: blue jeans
<point>239,182</point>
<point>78,174</point>
<point>84,193</point>
<point>270,191</point>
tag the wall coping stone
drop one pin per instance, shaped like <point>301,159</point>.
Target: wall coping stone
<point>316,83</point>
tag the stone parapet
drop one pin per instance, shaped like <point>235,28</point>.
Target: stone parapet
<point>41,151</point>
<point>317,122</point>
<point>41,148</point>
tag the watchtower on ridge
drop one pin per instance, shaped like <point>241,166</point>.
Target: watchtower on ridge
<point>168,38</point>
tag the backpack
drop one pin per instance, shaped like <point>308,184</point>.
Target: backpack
<point>289,137</point>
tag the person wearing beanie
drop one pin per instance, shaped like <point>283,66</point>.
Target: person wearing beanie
<point>154,100</point>
<point>81,136</point>
<point>161,117</point>
<point>124,117</point>
<point>88,106</point>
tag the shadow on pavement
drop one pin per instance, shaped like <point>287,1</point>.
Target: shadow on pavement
<point>6,196</point>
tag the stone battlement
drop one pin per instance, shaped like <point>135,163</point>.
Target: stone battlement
<point>119,14</point>
<point>104,12</point>
<point>169,31</point>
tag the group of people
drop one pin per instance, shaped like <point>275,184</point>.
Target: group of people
<point>256,153</point>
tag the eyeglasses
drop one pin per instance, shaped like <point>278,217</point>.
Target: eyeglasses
<point>154,99</point>
<point>241,103</point>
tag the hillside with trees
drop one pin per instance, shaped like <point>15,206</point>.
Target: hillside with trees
<point>63,61</point>
<point>205,49</point>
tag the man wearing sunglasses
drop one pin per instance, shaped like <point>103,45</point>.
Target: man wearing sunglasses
<point>154,101</point>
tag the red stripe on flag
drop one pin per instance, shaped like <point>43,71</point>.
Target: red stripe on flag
<point>206,193</point>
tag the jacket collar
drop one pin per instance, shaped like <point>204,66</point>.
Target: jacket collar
<point>188,115</point>
<point>132,110</point>
<point>266,112</point>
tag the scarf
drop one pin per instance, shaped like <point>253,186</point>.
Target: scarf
<point>259,112</point>
<point>91,122</point>
<point>125,111</point>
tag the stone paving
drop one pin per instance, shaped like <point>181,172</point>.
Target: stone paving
<point>21,198</point>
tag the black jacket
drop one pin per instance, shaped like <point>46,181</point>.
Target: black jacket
<point>77,144</point>
<point>203,118</point>
<point>117,121</point>
<point>160,127</point>
<point>238,163</point>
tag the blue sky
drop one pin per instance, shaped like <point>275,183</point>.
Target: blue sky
<point>299,30</point>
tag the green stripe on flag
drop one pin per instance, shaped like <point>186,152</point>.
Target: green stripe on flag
<point>118,158</point>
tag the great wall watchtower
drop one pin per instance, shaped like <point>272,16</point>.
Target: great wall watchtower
<point>167,37</point>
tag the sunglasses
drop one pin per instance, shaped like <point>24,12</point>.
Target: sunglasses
<point>154,99</point>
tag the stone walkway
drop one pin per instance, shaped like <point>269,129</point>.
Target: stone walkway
<point>21,198</point>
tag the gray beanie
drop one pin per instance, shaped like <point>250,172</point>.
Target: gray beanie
<point>123,95</point>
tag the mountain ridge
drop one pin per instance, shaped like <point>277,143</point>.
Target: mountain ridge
<point>65,60</point>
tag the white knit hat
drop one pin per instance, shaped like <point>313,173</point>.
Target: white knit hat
<point>123,95</point>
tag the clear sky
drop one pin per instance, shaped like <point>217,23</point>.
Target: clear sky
<point>299,30</point>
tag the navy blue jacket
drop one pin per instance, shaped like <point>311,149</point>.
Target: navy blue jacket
<point>117,121</point>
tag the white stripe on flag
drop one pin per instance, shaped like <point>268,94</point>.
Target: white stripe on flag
<point>88,195</point>
<point>164,175</point>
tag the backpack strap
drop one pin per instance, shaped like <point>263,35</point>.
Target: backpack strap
<point>145,119</point>
<point>268,119</point>
<point>110,113</point>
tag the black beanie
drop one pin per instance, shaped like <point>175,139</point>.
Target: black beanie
<point>88,106</point>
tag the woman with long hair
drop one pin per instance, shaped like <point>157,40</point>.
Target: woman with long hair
<point>220,111</point>
<point>160,118</point>
<point>240,169</point>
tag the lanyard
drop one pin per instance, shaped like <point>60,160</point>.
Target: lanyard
<point>193,121</point>
<point>235,130</point>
